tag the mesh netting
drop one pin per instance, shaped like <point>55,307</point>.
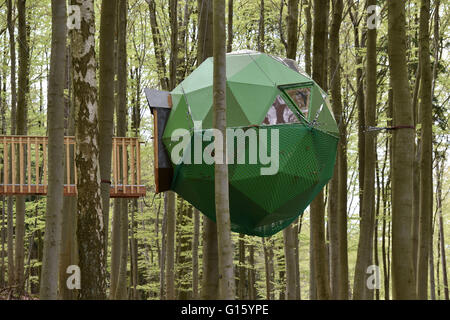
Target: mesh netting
<point>262,205</point>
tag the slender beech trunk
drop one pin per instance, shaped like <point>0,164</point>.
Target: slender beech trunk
<point>115,226</point>
<point>365,244</point>
<point>121,131</point>
<point>225,244</point>
<point>241,276</point>
<point>68,249</point>
<point>195,241</point>
<point>376,256</point>
<point>290,237</point>
<point>403,152</point>
<point>2,198</point>
<point>162,259</point>
<point>251,273</point>
<point>317,207</point>
<point>170,196</point>
<point>90,220</point>
<point>308,35</point>
<point>173,17</point>
<point>441,243</point>
<point>359,42</point>
<point>55,113</point>
<point>170,258</point>
<point>426,166</point>
<point>3,240</point>
<point>115,248</point>
<point>269,267</point>
<point>184,264</point>
<point>298,228</point>
<point>230,26</point>
<point>290,233</point>
<point>210,278</point>
<point>292,29</point>
<point>338,186</point>
<point>10,218</point>
<point>157,43</point>
<point>21,122</point>
<point>106,103</point>
<point>261,27</point>
<point>434,71</point>
<point>431,263</point>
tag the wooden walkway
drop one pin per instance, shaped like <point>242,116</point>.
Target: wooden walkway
<point>24,167</point>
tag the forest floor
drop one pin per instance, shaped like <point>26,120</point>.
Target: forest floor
<point>11,294</point>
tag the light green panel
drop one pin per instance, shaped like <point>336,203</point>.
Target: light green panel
<point>200,102</point>
<point>200,78</point>
<point>316,102</point>
<point>235,116</point>
<point>252,74</point>
<point>277,72</point>
<point>179,118</point>
<point>326,122</point>
<point>235,64</point>
<point>255,101</point>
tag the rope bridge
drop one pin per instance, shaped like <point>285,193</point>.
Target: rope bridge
<point>24,167</point>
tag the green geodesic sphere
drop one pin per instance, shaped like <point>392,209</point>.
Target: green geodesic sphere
<point>263,93</point>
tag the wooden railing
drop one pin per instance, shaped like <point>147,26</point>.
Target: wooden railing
<point>24,167</point>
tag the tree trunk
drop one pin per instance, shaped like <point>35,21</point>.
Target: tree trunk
<point>225,244</point>
<point>359,43</point>
<point>441,244</point>
<point>173,7</point>
<point>121,131</point>
<point>377,220</point>
<point>195,241</point>
<point>434,71</point>
<point>230,26</point>
<point>338,186</point>
<point>12,57</point>
<point>170,265</point>
<point>115,227</point>
<point>298,227</point>
<point>269,267</point>
<point>251,273</point>
<point>210,279</point>
<point>308,36</point>
<point>426,167</point>
<point>55,111</point>
<point>3,240</point>
<point>184,264</point>
<point>403,153</point>
<point>290,237</point>
<point>261,30</point>
<point>157,43</point>
<point>106,103</point>
<point>365,244</point>
<point>121,290</point>
<point>317,207</point>
<point>431,265</point>
<point>290,233</point>
<point>89,205</point>
<point>115,248</point>
<point>21,122</point>
<point>292,29</point>
<point>10,214</point>
<point>241,277</point>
